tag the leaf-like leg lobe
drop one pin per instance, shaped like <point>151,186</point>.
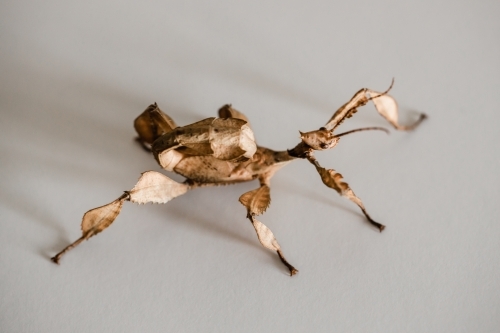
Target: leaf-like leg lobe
<point>385,105</point>
<point>152,187</point>
<point>334,180</point>
<point>256,202</point>
<point>267,239</point>
<point>94,221</point>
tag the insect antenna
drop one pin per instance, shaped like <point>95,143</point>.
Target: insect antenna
<point>384,93</point>
<point>362,129</point>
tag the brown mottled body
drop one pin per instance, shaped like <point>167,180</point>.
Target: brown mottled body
<point>264,161</point>
<point>220,151</point>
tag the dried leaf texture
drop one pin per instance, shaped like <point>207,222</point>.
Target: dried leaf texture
<point>334,180</point>
<point>265,235</point>
<point>231,138</point>
<point>347,110</point>
<point>168,159</point>
<point>96,220</point>
<point>227,111</point>
<point>385,105</point>
<point>153,123</point>
<point>225,139</point>
<point>257,201</point>
<point>208,169</point>
<point>388,108</point>
<point>151,187</point>
<point>193,137</point>
<point>155,187</point>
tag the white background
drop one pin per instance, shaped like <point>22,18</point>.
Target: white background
<point>74,75</point>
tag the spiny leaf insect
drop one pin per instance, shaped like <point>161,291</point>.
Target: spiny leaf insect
<point>222,151</point>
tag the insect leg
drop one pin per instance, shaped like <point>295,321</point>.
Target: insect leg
<point>334,180</point>
<point>385,105</point>
<point>152,187</point>
<point>267,239</point>
<point>256,202</point>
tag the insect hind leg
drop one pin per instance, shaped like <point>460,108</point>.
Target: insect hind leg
<point>152,187</point>
<point>256,202</point>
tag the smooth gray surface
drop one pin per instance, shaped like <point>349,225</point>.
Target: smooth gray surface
<point>74,75</point>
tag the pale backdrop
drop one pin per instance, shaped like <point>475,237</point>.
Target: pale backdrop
<point>74,75</point>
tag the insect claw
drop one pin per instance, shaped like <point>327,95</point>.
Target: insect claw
<point>292,269</point>
<point>55,259</point>
<point>380,227</point>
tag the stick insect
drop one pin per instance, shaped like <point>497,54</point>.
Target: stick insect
<point>222,151</point>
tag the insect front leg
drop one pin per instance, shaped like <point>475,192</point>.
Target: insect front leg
<point>256,202</point>
<point>334,180</point>
<point>152,187</point>
<point>385,105</point>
